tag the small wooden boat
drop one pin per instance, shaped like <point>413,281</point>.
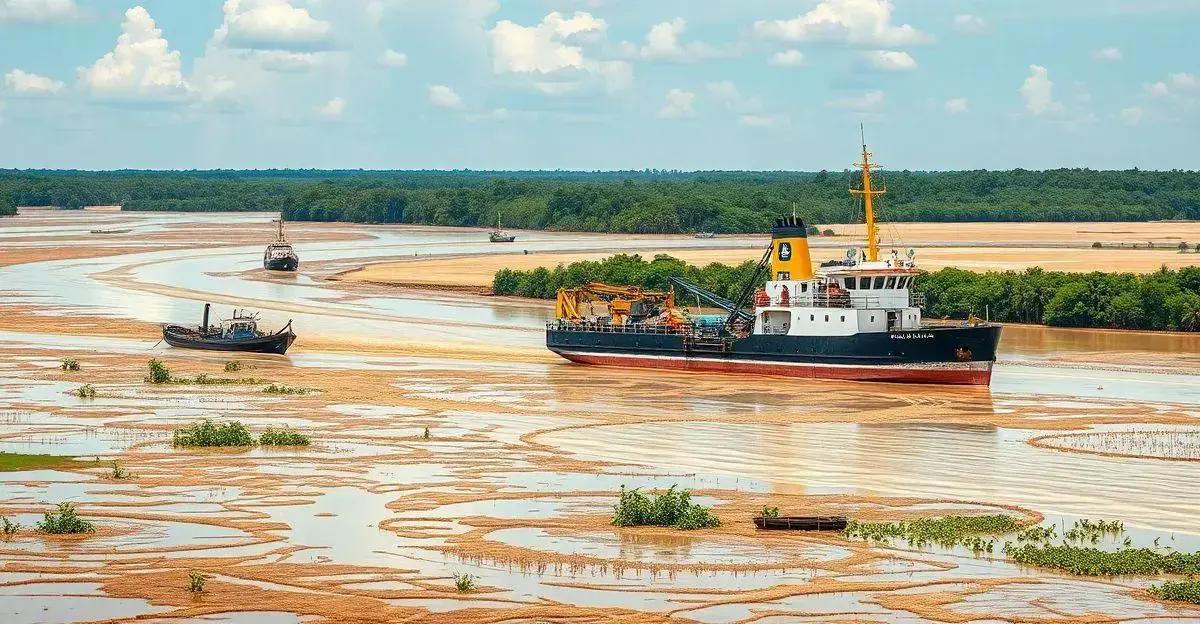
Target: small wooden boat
<point>113,231</point>
<point>801,523</point>
<point>499,236</point>
<point>239,333</point>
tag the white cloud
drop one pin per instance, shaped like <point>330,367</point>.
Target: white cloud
<point>857,22</point>
<point>731,98</point>
<point>663,44</point>
<point>442,96</point>
<point>889,60</point>
<point>141,67</point>
<point>679,104</point>
<point>271,25</point>
<point>1109,54</point>
<point>33,11</point>
<point>332,110</point>
<point>551,52</point>
<point>868,101</point>
<point>32,85</point>
<point>1184,82</point>
<point>393,59</point>
<point>762,121</point>
<point>541,48</point>
<point>1179,84</point>
<point>1038,93</point>
<point>1132,115</point>
<point>1158,89</point>
<point>787,58</point>
<point>955,106</point>
<point>970,24</point>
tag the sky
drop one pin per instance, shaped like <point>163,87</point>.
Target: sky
<point>598,84</point>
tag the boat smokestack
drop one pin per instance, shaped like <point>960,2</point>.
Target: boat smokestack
<point>204,323</point>
<point>790,259</point>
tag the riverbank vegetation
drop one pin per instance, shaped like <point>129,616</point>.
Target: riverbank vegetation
<point>1163,300</point>
<point>64,521</point>
<point>22,461</point>
<point>619,201</point>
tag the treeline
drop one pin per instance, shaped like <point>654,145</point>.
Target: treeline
<point>1164,300</point>
<point>625,201</point>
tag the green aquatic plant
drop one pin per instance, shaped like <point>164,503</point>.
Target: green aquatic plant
<point>282,437</point>
<point>770,512</point>
<point>946,531</point>
<point>1180,591</point>
<point>426,436</point>
<point>196,582</point>
<point>64,521</point>
<point>1086,530</point>
<point>285,389</point>
<point>233,366</point>
<point>119,473</point>
<point>1037,533</point>
<point>159,373</point>
<point>69,364</point>
<point>86,391</point>
<point>668,508</point>
<point>1090,561</point>
<point>464,583</point>
<point>8,527</point>
<point>207,433</point>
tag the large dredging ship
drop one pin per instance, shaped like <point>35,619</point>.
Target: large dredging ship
<point>854,319</point>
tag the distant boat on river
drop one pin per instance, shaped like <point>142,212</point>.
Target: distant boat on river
<point>279,255</point>
<point>499,236</point>
<point>237,333</point>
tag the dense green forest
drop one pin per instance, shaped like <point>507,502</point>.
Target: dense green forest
<point>621,201</point>
<point>1164,300</point>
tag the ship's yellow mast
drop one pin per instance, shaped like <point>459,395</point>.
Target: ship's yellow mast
<point>868,195</point>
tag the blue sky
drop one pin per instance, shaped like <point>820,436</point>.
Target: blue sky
<point>598,84</point>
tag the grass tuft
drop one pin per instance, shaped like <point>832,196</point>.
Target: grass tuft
<point>118,473</point>
<point>426,435</point>
<point>464,583</point>
<point>282,437</point>
<point>196,582</point>
<point>670,508</point>
<point>207,433</point>
<point>233,366</point>
<point>69,364</point>
<point>22,461</point>
<point>64,522</point>
<point>86,391</point>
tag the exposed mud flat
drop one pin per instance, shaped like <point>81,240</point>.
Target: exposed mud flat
<point>514,483</point>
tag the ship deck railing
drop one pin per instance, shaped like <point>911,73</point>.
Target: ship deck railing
<point>915,300</point>
<point>627,328</point>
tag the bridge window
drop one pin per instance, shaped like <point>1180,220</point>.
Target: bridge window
<point>783,276</point>
<point>902,282</point>
<point>879,283</point>
<point>851,282</point>
<point>891,282</point>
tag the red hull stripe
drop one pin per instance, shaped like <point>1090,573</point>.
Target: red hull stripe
<point>965,373</point>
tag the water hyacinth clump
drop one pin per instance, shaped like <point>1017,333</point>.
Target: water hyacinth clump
<point>233,366</point>
<point>464,583</point>
<point>1180,591</point>
<point>1090,561</point>
<point>282,437</point>
<point>947,531</point>
<point>69,364</point>
<point>86,391</point>
<point>8,528</point>
<point>64,521</point>
<point>284,389</point>
<point>208,433</point>
<point>673,508</point>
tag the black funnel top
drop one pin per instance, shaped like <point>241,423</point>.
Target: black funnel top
<point>789,227</point>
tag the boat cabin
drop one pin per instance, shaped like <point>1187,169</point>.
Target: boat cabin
<point>241,325</point>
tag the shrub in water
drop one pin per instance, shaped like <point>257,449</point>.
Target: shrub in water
<point>282,437</point>
<point>670,508</point>
<point>158,372</point>
<point>196,582</point>
<point>119,473</point>
<point>8,527</point>
<point>233,367</point>
<point>207,433</point>
<point>69,364</point>
<point>464,583</point>
<point>64,521</point>
<point>86,391</point>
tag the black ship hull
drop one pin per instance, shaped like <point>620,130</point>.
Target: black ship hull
<point>189,338</point>
<point>935,355</point>
<point>281,264</point>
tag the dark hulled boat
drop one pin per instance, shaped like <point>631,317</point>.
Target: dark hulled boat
<point>855,319</point>
<point>279,255</point>
<point>500,236</point>
<point>239,333</point>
